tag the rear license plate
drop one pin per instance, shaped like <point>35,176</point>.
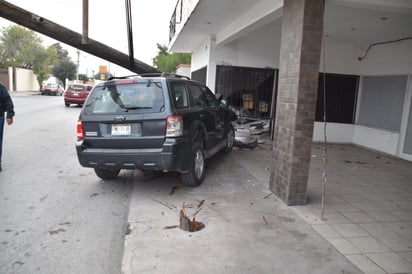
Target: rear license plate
<point>121,129</point>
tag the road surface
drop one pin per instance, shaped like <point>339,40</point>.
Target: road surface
<point>55,216</point>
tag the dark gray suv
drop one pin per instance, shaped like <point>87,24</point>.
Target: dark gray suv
<point>161,122</point>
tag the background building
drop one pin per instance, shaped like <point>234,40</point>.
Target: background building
<point>367,54</point>
<point>292,61</point>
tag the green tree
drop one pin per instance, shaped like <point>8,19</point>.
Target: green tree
<point>166,62</point>
<point>14,40</point>
<point>64,67</point>
<point>62,53</point>
<point>42,68</point>
<point>83,77</point>
<point>20,47</point>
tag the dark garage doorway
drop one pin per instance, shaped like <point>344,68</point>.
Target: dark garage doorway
<point>249,91</point>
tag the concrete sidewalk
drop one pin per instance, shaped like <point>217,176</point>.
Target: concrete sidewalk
<point>368,208</point>
<point>24,93</point>
<point>247,229</point>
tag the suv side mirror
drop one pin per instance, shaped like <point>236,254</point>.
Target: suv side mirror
<point>223,103</point>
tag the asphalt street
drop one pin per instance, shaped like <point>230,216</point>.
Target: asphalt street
<point>56,217</point>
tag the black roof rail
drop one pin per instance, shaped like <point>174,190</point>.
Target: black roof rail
<point>164,74</point>
<point>152,74</point>
<point>121,77</point>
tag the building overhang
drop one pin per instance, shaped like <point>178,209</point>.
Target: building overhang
<point>358,22</point>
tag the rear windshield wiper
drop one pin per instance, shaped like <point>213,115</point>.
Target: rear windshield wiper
<point>127,108</point>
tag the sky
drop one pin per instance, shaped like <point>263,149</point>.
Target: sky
<point>107,24</point>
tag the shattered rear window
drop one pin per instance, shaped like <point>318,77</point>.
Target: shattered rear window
<point>141,97</point>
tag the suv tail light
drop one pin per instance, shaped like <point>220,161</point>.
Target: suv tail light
<point>80,130</point>
<point>174,126</point>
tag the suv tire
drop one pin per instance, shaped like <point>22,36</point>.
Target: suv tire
<point>106,174</point>
<point>229,139</point>
<point>196,172</point>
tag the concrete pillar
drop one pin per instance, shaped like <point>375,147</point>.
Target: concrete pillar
<point>11,79</point>
<point>296,101</point>
<point>212,62</point>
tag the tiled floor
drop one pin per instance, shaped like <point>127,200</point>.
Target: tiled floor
<point>368,207</point>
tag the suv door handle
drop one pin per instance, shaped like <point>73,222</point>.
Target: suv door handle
<point>119,118</point>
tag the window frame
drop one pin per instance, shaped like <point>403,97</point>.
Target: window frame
<point>201,93</point>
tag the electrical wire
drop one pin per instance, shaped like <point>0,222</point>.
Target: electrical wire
<point>325,146</point>
<point>383,43</point>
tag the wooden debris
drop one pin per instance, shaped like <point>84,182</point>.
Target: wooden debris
<point>190,225</point>
<point>166,205</point>
<point>201,203</point>
<point>171,226</point>
<point>267,196</point>
<point>174,190</point>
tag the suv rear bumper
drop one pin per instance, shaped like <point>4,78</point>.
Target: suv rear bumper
<point>77,100</point>
<point>171,157</point>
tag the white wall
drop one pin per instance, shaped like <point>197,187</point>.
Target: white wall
<point>227,55</point>
<point>183,70</point>
<point>340,58</point>
<point>11,77</point>
<point>200,56</point>
<point>26,80</point>
<point>335,133</point>
<point>261,49</point>
<point>407,114</point>
<point>388,59</point>
<point>377,139</point>
<point>258,49</point>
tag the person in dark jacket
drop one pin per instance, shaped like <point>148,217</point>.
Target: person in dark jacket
<point>6,106</point>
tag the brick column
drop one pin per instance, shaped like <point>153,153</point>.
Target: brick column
<point>296,101</point>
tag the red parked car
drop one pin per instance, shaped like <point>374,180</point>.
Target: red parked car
<point>76,94</point>
<point>52,89</point>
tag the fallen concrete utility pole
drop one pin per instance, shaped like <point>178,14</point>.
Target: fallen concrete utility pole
<point>69,37</point>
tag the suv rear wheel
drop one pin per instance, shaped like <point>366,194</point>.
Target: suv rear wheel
<point>196,172</point>
<point>230,139</point>
<point>106,174</point>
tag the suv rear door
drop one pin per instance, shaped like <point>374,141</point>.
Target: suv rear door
<point>125,114</point>
<point>208,112</point>
<point>190,102</point>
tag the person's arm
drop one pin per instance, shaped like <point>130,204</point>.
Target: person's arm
<point>9,106</point>
<point>9,110</point>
